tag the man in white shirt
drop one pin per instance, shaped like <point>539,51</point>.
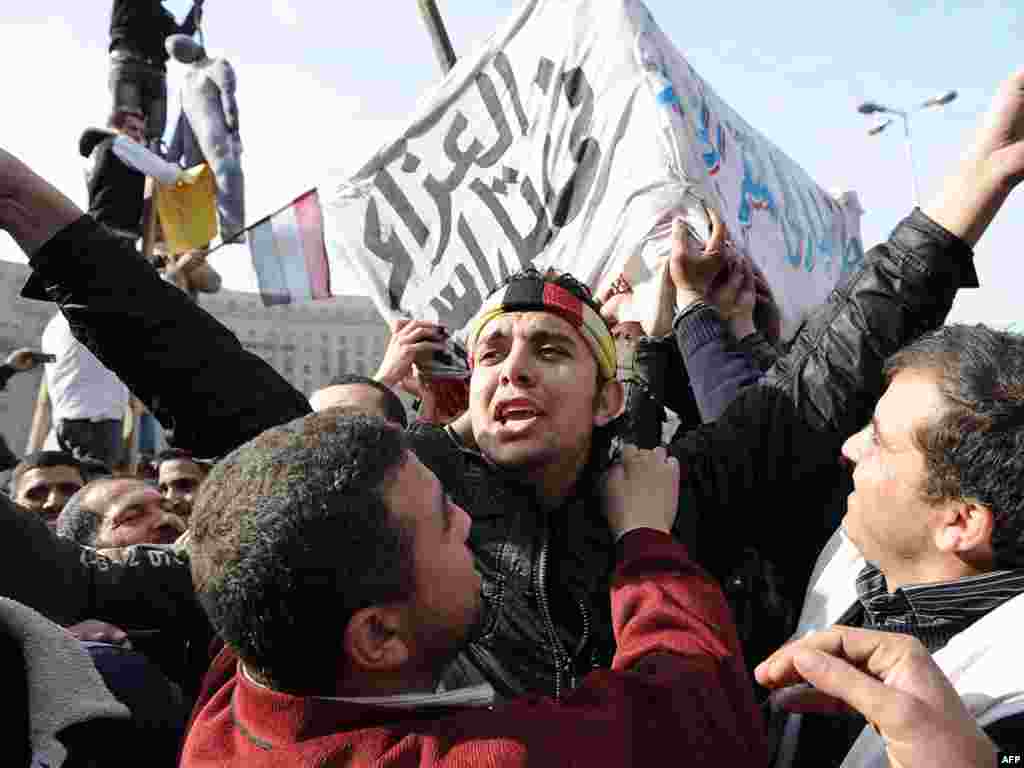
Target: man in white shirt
<point>120,165</point>
<point>88,401</point>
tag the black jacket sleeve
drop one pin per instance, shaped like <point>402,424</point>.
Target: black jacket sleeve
<point>150,589</point>
<point>697,372</point>
<point>833,370</point>
<point>776,448</point>
<point>210,393</point>
<point>761,351</point>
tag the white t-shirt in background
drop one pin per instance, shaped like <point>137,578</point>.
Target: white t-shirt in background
<point>80,386</point>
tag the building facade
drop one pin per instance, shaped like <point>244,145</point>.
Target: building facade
<point>308,344</point>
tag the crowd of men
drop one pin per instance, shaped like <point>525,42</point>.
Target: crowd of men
<point>822,566</point>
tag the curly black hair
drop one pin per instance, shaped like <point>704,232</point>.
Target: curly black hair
<point>291,536</point>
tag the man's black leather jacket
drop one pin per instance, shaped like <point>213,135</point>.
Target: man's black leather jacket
<point>771,454</point>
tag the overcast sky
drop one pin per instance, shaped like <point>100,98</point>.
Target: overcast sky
<point>323,84</point>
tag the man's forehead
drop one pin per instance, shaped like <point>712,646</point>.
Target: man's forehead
<point>122,496</point>
<point>912,397</point>
<point>60,473</point>
<point>348,395</point>
<point>114,490</point>
<point>173,467</point>
<point>409,488</point>
<point>528,324</point>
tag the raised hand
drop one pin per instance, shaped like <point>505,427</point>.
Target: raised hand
<point>409,339</point>
<point>31,210</point>
<point>642,491</point>
<point>892,680</point>
<point>971,196</point>
<point>735,298</point>
<point>1001,135</point>
<point>691,266</point>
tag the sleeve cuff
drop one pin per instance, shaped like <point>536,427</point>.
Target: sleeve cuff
<point>960,253</point>
<point>636,543</point>
<point>55,247</point>
<point>696,327</point>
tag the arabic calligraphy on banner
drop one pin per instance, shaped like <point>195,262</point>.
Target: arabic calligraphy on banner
<point>560,143</point>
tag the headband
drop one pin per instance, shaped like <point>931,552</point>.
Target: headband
<point>535,295</point>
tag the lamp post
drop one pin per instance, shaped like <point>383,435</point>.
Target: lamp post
<point>874,108</point>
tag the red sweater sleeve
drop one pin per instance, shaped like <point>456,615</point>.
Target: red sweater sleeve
<point>663,601</point>
<point>674,630</point>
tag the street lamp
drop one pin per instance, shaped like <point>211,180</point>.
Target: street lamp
<point>874,108</point>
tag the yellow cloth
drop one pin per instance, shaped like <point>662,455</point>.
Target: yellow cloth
<point>188,210</point>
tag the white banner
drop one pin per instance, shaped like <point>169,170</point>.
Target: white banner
<point>561,142</point>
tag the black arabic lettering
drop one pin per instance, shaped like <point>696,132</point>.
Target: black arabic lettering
<point>396,198</point>
<point>462,307</point>
<point>391,251</point>
<point>477,254</point>
<point>504,68</point>
<point>489,95</point>
<point>585,151</point>
<point>441,191</point>
<point>526,247</point>
<point>496,110</point>
<point>452,314</point>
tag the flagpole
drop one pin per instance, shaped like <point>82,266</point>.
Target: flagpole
<point>255,224</point>
<point>438,34</point>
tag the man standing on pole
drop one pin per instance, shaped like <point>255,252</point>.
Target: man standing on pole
<point>138,61</point>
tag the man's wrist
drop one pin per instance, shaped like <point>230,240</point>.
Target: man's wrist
<point>389,381</point>
<point>639,526</point>
<point>742,327</point>
<point>687,296</point>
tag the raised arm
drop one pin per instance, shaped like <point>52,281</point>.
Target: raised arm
<point>777,446</point>
<point>671,621</point>
<point>872,316</point>
<point>190,370</point>
<point>149,588</point>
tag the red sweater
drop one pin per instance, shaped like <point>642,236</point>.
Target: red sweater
<point>677,693</point>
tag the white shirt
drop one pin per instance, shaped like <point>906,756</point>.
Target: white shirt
<point>80,386</point>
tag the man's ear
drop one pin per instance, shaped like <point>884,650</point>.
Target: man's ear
<point>374,641</point>
<point>611,402</point>
<point>966,530</point>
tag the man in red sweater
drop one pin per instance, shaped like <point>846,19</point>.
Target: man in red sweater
<point>333,563</point>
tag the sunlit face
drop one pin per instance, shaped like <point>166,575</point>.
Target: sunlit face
<point>533,394</point>
<point>134,128</point>
<point>887,516</point>
<point>133,513</point>
<point>446,602</point>
<point>45,490</point>
<point>178,481</point>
